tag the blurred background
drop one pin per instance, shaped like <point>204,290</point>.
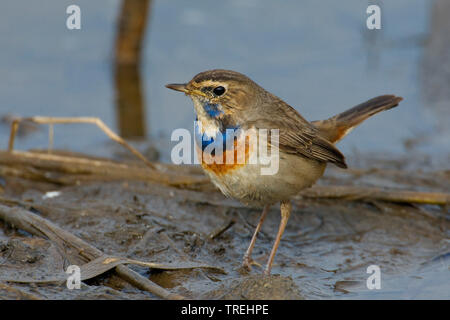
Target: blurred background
<point>317,56</point>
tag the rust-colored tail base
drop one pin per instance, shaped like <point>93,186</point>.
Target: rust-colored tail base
<point>337,127</point>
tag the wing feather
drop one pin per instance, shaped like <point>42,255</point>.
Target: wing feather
<point>296,135</point>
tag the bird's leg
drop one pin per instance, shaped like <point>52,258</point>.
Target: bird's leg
<point>285,209</point>
<point>248,254</point>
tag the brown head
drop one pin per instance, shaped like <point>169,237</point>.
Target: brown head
<point>220,93</point>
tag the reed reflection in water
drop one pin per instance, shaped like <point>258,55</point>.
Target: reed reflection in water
<point>130,101</point>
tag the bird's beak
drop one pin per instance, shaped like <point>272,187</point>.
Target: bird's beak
<point>178,87</point>
<point>182,87</point>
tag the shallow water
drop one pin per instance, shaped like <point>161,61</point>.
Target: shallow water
<point>319,58</point>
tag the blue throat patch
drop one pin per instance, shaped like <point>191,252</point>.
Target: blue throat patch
<point>221,138</point>
<point>212,110</point>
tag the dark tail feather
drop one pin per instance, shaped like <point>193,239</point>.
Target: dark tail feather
<point>335,128</point>
<point>354,116</point>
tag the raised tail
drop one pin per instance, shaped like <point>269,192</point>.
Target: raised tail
<point>337,127</point>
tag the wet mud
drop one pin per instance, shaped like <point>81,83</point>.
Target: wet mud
<point>324,254</point>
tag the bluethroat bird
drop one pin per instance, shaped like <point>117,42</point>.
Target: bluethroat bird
<point>225,100</point>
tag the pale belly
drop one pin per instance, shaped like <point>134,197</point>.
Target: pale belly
<point>246,183</point>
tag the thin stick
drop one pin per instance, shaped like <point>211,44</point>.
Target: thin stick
<point>80,168</point>
<point>221,229</point>
<point>50,138</point>
<point>136,279</point>
<point>92,120</point>
<point>12,135</point>
<point>368,193</point>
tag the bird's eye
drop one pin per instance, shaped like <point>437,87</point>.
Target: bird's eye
<point>218,91</point>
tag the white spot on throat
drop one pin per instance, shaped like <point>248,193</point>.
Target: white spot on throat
<point>209,127</point>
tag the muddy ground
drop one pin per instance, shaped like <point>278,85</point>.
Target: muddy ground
<point>324,254</point>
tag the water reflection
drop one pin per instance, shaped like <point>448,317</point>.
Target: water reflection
<point>373,40</point>
<point>130,101</point>
<point>435,76</point>
<point>314,56</point>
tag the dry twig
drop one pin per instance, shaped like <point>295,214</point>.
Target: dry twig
<point>69,170</point>
<point>75,247</point>
<point>53,120</point>
<point>371,194</point>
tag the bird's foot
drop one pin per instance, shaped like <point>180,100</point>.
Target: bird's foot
<point>248,262</point>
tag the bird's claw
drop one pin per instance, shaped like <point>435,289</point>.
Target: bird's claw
<point>248,262</point>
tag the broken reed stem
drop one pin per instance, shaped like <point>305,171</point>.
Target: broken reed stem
<point>369,193</point>
<point>89,120</point>
<point>39,226</point>
<point>69,170</point>
<point>221,229</point>
<point>12,135</point>
<point>31,165</point>
<point>50,138</point>
<point>137,280</point>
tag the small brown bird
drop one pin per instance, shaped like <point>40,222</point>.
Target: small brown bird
<point>227,102</point>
